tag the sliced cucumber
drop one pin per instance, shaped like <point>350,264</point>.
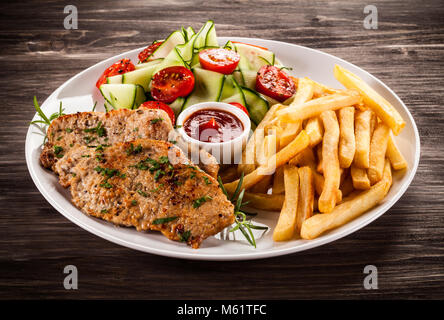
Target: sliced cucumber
<point>186,50</point>
<point>173,59</point>
<point>177,105</point>
<point>117,79</point>
<point>169,44</point>
<point>141,77</point>
<point>255,57</point>
<point>201,40</point>
<point>123,96</point>
<point>231,91</point>
<point>149,63</point>
<point>230,45</point>
<point>257,106</point>
<point>252,59</point>
<point>208,87</point>
<point>189,32</point>
<point>211,38</point>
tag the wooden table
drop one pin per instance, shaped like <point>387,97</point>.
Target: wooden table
<point>406,244</point>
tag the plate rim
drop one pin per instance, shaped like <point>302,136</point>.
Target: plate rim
<point>194,254</point>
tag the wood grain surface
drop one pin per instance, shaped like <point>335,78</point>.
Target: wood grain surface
<point>37,55</point>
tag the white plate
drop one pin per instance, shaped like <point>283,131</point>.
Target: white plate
<point>79,94</point>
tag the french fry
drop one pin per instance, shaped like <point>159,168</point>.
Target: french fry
<point>318,182</point>
<point>278,181</point>
<point>332,173</point>
<point>359,178</point>
<point>378,148</point>
<point>315,130</point>
<point>303,94</point>
<point>320,90</point>
<point>383,109</point>
<point>347,144</point>
<point>249,153</point>
<point>395,156</point>
<point>348,210</point>
<point>304,158</point>
<point>286,224</point>
<point>289,132</point>
<point>268,148</point>
<point>320,167</point>
<point>229,174</point>
<point>272,202</point>
<point>263,185</point>
<point>306,197</point>
<point>276,161</point>
<point>362,138</point>
<point>317,106</point>
<point>346,186</point>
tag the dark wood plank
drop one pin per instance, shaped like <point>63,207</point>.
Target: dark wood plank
<point>37,55</point>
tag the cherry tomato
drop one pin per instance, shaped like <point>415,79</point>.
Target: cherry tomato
<point>120,67</point>
<point>253,45</point>
<point>148,51</point>
<point>161,106</point>
<point>274,83</point>
<point>219,60</point>
<point>238,105</point>
<point>170,83</point>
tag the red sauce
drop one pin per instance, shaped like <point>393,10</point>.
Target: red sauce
<point>211,125</point>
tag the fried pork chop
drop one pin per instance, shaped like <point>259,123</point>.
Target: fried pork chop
<point>100,128</point>
<point>146,184</point>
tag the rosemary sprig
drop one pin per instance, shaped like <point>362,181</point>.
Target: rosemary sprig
<point>242,224</point>
<point>46,121</point>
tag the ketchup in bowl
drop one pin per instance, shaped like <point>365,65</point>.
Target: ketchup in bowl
<point>213,125</point>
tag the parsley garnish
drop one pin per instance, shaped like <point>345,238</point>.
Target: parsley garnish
<point>143,194</point>
<point>164,220</point>
<point>58,151</point>
<point>198,202</point>
<point>207,181</point>
<point>185,236</point>
<point>154,121</point>
<point>99,129</point>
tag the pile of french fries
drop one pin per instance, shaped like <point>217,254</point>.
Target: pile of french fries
<point>322,158</point>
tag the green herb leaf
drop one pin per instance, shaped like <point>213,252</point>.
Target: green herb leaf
<point>164,220</point>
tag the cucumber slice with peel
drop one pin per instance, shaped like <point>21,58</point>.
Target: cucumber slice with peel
<point>208,87</point>
<point>123,96</point>
<point>257,106</point>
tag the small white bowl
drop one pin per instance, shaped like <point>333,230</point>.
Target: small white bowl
<point>227,152</point>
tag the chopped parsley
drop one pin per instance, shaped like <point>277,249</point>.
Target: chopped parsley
<point>104,211</point>
<point>154,121</point>
<point>89,139</point>
<point>164,220</point>
<point>58,151</point>
<point>131,150</point>
<point>185,236</point>
<point>134,202</point>
<point>85,156</point>
<point>207,181</point>
<point>69,130</point>
<point>106,185</point>
<point>198,202</point>
<point>99,130</point>
<point>143,194</point>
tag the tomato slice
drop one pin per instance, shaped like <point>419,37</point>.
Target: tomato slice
<point>219,60</point>
<point>148,51</point>
<point>240,106</point>
<point>274,83</point>
<point>161,106</point>
<point>120,67</point>
<point>171,83</point>
<point>249,44</point>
